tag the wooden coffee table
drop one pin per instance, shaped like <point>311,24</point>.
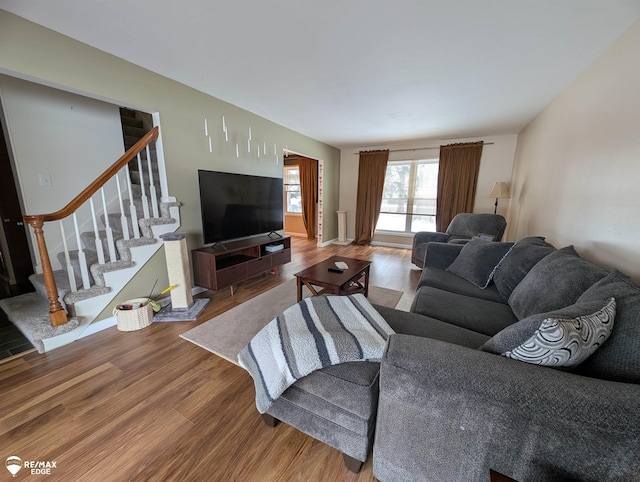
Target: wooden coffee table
<point>321,281</point>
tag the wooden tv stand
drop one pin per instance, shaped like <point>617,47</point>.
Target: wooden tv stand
<point>216,267</point>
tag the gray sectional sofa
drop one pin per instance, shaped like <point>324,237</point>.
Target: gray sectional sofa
<point>461,390</point>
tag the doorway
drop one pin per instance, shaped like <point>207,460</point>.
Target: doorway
<point>15,257</point>
<point>293,218</point>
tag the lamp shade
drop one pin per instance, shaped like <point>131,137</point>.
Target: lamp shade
<point>500,190</point>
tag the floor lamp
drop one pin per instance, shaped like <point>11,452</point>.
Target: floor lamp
<point>500,190</point>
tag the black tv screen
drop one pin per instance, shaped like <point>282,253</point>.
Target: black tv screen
<point>239,205</point>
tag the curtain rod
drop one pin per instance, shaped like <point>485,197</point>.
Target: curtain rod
<point>421,148</point>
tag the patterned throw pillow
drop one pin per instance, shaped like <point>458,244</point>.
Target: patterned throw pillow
<point>564,338</point>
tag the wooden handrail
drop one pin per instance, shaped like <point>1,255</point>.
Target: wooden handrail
<point>92,188</point>
<point>57,314</point>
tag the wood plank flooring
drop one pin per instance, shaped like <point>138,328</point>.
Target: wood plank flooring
<point>148,405</point>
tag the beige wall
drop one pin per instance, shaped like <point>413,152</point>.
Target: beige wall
<point>577,166</point>
<point>32,52</point>
<point>496,164</point>
<point>294,224</point>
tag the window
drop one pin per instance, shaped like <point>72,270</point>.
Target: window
<point>292,194</point>
<point>409,196</point>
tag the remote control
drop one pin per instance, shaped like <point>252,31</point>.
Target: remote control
<point>335,270</point>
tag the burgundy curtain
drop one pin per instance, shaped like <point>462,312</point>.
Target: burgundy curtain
<point>457,181</point>
<point>372,169</point>
<point>309,192</point>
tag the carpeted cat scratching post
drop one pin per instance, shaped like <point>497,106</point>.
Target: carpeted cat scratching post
<point>182,306</point>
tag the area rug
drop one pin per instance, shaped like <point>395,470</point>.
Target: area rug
<point>227,334</point>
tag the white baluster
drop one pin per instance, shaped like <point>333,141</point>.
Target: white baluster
<point>152,187</point>
<point>132,207</point>
<point>84,269</point>
<point>111,245</point>
<point>145,203</point>
<point>70,272</point>
<point>96,232</point>
<point>123,217</point>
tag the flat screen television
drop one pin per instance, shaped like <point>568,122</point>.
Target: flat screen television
<point>239,205</point>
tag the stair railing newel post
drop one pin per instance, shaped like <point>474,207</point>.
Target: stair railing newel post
<point>57,314</point>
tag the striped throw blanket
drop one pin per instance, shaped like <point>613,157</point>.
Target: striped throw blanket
<point>315,333</point>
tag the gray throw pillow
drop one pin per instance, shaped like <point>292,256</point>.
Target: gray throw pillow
<point>619,358</point>
<point>478,260</point>
<point>555,282</point>
<point>562,338</point>
<point>524,256</point>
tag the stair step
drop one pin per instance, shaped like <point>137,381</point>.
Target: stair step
<point>134,131</point>
<point>131,121</point>
<point>89,241</point>
<point>30,313</point>
<point>115,218</point>
<point>90,256</point>
<point>135,180</point>
<point>129,141</point>
<point>62,283</point>
<point>127,113</point>
<point>133,167</point>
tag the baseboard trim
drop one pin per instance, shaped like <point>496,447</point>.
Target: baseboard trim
<point>390,245</point>
<point>100,325</point>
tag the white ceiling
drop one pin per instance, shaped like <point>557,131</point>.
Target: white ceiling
<point>356,73</point>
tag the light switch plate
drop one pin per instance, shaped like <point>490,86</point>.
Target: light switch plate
<point>46,180</point>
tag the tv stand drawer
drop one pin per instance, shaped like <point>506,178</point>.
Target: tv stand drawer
<point>259,265</point>
<point>232,274</point>
<point>281,257</point>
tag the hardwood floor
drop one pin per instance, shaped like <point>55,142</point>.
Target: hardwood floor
<point>148,405</point>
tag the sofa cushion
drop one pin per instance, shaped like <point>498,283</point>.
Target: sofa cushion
<point>351,386</point>
<point>525,255</point>
<point>443,279</point>
<point>555,282</point>
<point>478,261</point>
<point>562,338</point>
<point>483,316</point>
<point>420,325</point>
<point>619,358</point>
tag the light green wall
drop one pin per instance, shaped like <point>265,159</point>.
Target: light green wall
<point>35,53</point>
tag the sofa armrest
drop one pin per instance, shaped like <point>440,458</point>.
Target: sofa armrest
<point>429,237</point>
<point>448,412</point>
<point>441,255</point>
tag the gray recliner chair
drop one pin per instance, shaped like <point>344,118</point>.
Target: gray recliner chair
<point>462,228</point>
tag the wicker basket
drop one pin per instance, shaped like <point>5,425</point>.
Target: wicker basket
<point>131,320</point>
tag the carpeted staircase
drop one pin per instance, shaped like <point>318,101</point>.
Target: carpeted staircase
<point>29,312</point>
